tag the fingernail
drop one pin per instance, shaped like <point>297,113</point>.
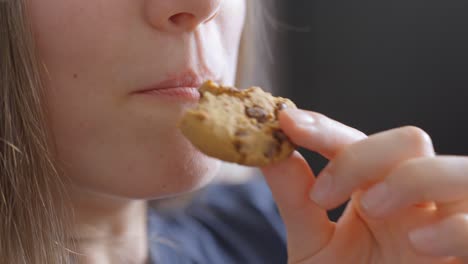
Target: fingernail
<point>424,239</point>
<point>300,117</point>
<point>376,201</point>
<point>322,189</point>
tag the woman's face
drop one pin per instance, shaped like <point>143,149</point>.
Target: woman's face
<point>109,136</point>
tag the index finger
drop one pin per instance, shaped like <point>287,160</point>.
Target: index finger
<point>317,132</point>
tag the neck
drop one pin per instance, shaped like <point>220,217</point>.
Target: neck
<point>108,229</point>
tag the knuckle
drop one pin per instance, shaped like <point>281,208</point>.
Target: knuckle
<point>417,138</point>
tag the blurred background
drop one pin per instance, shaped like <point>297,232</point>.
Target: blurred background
<point>376,65</point>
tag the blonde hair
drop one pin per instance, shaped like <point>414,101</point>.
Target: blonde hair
<point>31,218</point>
<point>33,221</point>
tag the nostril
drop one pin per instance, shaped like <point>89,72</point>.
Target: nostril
<point>182,19</point>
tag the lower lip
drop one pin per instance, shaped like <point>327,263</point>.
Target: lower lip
<point>178,93</point>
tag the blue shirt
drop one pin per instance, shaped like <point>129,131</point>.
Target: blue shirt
<point>224,224</point>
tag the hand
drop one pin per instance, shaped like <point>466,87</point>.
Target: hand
<point>407,204</point>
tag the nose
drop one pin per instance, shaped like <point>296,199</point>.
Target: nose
<point>178,16</point>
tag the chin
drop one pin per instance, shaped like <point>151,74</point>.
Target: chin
<point>163,169</point>
<point>175,176</point>
<point>193,173</point>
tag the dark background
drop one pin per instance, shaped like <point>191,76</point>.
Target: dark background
<point>376,65</point>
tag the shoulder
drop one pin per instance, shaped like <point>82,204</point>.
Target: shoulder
<point>224,223</point>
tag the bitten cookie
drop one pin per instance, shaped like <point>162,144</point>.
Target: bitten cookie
<point>238,126</point>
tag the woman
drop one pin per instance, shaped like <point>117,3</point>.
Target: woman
<point>90,101</point>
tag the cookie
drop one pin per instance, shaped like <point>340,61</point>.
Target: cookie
<point>239,126</point>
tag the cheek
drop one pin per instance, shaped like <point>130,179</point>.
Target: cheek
<point>59,27</point>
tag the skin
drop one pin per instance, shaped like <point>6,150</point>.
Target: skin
<point>407,204</point>
<point>116,149</point>
<point>93,69</point>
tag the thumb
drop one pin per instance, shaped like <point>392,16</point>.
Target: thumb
<point>308,227</point>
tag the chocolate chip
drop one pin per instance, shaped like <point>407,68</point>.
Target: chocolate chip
<point>280,136</point>
<point>200,116</point>
<point>258,113</point>
<point>237,145</point>
<point>271,151</point>
<point>241,133</point>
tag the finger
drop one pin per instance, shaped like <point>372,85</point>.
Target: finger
<point>317,132</point>
<point>289,182</point>
<point>368,161</point>
<point>440,179</point>
<point>448,237</point>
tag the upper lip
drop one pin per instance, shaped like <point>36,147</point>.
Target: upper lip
<point>188,78</point>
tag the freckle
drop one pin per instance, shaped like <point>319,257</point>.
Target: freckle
<point>75,75</point>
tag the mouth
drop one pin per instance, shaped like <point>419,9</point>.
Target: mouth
<point>181,86</point>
